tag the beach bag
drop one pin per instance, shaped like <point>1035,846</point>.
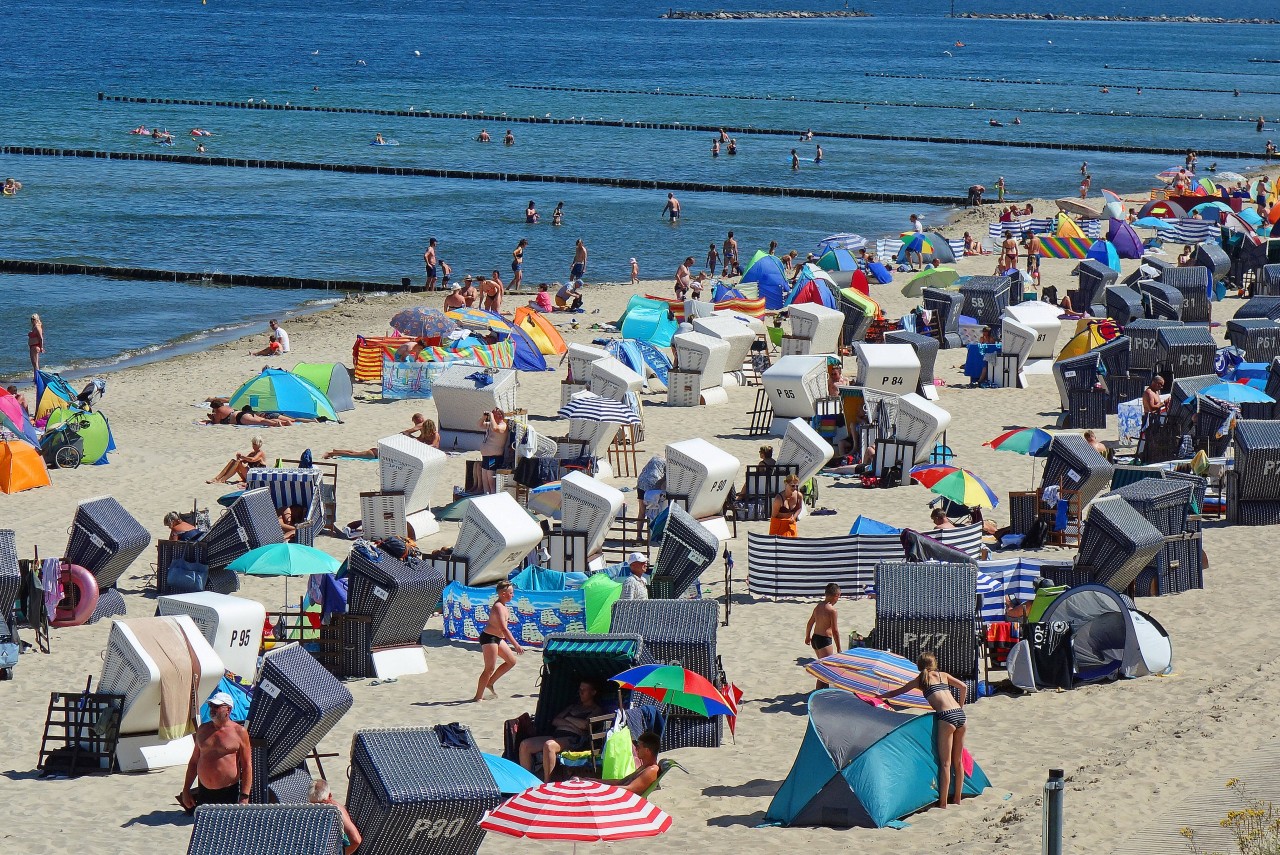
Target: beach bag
<point>617,761</point>
<point>185,577</point>
<point>515,731</point>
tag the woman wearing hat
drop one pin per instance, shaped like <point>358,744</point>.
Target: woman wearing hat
<point>454,299</point>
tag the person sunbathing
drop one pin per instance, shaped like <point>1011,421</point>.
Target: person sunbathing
<point>240,465</point>
<point>290,530</point>
<point>222,413</point>
<point>180,529</point>
<point>570,731</point>
<point>647,768</point>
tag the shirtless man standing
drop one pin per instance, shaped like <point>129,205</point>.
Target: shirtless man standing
<point>493,449</point>
<point>730,255</point>
<point>579,267</point>
<point>672,207</point>
<point>221,760</point>
<point>429,258</point>
<point>822,632</point>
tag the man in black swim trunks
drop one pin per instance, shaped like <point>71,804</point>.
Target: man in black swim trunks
<point>429,258</point>
<point>823,630</point>
<point>221,760</point>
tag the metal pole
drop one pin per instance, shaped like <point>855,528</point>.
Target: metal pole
<point>1052,830</point>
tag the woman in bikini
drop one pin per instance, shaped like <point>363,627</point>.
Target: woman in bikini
<point>517,264</point>
<point>241,464</point>
<point>497,642</point>
<point>35,341</point>
<point>786,509</point>
<point>948,711</point>
<point>222,413</point>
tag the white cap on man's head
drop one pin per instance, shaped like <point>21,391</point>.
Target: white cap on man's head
<point>221,699</point>
<point>637,557</point>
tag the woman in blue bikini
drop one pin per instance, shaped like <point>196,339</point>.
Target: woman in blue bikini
<point>948,712</point>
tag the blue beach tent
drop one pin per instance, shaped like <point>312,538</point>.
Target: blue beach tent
<point>647,319</point>
<point>727,292</point>
<point>767,273</point>
<point>866,525</point>
<point>861,765</point>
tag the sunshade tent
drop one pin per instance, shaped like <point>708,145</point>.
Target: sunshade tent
<point>838,260</point>
<point>332,378</point>
<point>1124,239</point>
<point>813,285</point>
<point>51,392</point>
<point>14,418</point>
<point>1067,228</point>
<point>540,330</point>
<point>866,525</point>
<point>94,430</point>
<point>769,276</point>
<point>278,391</point>
<point>641,357</point>
<point>21,467</point>
<point>862,766</point>
<point>527,355</point>
<point>511,778</point>
<point>1104,252</point>
<point>647,319</point>
<point>1081,343</point>
<point>1162,208</point>
<point>1211,210</point>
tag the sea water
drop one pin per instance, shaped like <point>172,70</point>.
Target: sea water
<point>469,56</point>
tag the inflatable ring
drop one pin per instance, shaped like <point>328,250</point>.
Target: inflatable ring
<point>85,599</point>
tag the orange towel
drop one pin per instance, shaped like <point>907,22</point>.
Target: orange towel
<point>782,526</point>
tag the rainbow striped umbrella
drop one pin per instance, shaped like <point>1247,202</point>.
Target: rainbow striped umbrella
<point>869,672</point>
<point>1022,441</point>
<point>959,485</point>
<point>916,242</point>
<point>676,686</point>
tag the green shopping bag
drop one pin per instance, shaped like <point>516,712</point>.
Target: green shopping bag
<point>617,760</point>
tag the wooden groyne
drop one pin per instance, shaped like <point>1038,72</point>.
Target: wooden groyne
<point>1123,19</point>
<point>150,274</point>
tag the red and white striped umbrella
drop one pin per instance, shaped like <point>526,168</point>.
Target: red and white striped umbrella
<point>577,810</point>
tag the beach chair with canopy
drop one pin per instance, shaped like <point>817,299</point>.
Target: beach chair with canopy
<point>105,540</point>
<point>293,488</point>
<point>292,829</point>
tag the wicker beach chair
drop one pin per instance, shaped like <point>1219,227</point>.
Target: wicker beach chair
<point>857,321</point>
<point>1186,350</point>
<point>1124,304</point>
<point>679,632</point>
<point>1253,490</point>
<point>1259,338</point>
<point>569,658</point>
<point>250,522</point>
<point>1161,301</point>
<point>1073,464</point>
<point>10,575</point>
<point>410,794</point>
<point>687,549</point>
<point>295,703</point>
<point>1192,284</point>
<point>948,306</point>
<point>398,597</point>
<point>926,349</point>
<point>1142,341</point>
<point>1166,504</point>
<point>1114,355</point>
<point>1095,277</point>
<point>986,297</point>
<point>105,539</point>
<point>293,488</point>
<point>255,829</point>
<point>1117,543</point>
<point>931,606</point>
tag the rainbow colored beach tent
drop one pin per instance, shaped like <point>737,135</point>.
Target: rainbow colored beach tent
<point>1064,247</point>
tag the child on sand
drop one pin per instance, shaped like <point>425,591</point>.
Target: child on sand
<point>497,642</point>
<point>635,272</point>
<point>822,632</point>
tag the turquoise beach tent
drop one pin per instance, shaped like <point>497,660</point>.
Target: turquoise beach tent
<point>866,525</point>
<point>648,320</point>
<point>278,391</point>
<point>769,277</point>
<point>861,765</point>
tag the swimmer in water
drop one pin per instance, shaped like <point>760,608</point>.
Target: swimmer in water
<point>378,140</point>
<point>509,139</point>
<point>200,148</point>
<point>995,124</point>
<point>733,147</point>
<point>483,136</point>
<point>715,147</point>
<point>817,157</point>
<point>795,160</point>
<point>141,131</point>
<point>1017,121</point>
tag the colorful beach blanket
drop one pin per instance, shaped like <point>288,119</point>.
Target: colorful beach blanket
<point>1060,247</point>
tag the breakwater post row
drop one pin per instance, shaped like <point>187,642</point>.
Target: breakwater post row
<point>1111,19</point>
<point>678,126</point>
<point>774,15</point>
<point>148,274</point>
<point>469,175</point>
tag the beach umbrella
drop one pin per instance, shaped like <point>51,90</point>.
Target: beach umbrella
<point>1230,178</point>
<point>845,240</point>
<point>423,322</point>
<point>474,318</point>
<point>546,499</point>
<point>511,778</point>
<point>1074,206</point>
<point>867,672</point>
<point>675,686</point>
<point>930,277</point>
<point>593,408</point>
<point>1022,440</point>
<point>1169,175</point>
<point>1112,197</point>
<point>1152,223</point>
<point>1233,393</point>
<point>577,810</point>
<point>917,242</point>
<point>959,485</point>
<point>285,559</point>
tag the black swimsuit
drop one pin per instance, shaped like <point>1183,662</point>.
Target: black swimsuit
<point>488,638</point>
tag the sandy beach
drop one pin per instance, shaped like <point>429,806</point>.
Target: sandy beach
<point>1129,749</point>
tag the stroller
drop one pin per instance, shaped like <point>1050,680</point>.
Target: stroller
<point>62,446</point>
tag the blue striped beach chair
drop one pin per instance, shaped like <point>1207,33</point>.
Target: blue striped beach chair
<point>298,488</point>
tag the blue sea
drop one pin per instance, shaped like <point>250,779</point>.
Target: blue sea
<point>472,56</point>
